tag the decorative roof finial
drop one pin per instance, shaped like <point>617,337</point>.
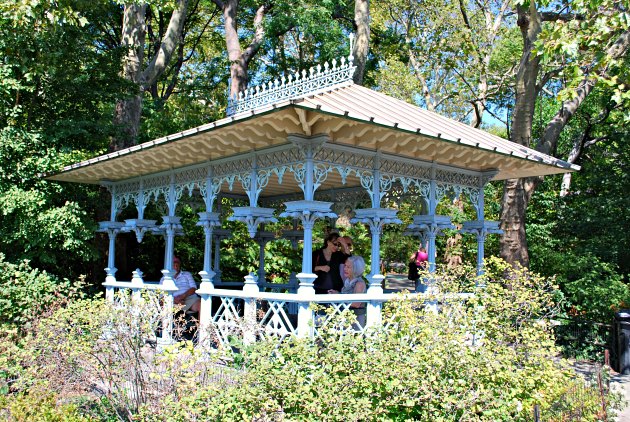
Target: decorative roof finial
<point>351,56</point>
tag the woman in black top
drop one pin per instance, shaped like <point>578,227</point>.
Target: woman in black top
<point>326,264</point>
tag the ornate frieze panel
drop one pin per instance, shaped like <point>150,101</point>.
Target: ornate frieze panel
<point>406,169</point>
<point>124,193</point>
<point>452,177</point>
<point>153,187</point>
<point>232,167</point>
<point>356,159</point>
<point>403,174</point>
<point>191,178</point>
<point>287,156</point>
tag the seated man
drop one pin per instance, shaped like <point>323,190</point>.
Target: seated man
<point>185,295</point>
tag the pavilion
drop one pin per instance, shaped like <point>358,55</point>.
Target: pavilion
<point>289,146</point>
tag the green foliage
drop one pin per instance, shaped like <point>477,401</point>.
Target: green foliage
<point>91,342</point>
<point>490,357</point>
<point>577,237</point>
<point>55,92</point>
<point>426,368</point>
<point>37,407</point>
<point>594,288</point>
<point>26,292</point>
<point>36,221</point>
<point>586,46</point>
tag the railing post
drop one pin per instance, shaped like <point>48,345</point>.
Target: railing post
<point>137,284</point>
<point>249,329</point>
<point>207,220</point>
<point>110,280</point>
<point>305,314</point>
<point>374,307</point>
<point>169,287</point>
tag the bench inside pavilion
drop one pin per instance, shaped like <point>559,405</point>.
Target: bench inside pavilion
<point>292,148</point>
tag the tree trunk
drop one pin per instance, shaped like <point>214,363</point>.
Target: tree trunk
<point>239,60</point>
<point>128,110</point>
<point>516,196</point>
<point>362,42</point>
<point>517,192</point>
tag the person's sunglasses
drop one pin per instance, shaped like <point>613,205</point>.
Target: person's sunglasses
<point>337,244</point>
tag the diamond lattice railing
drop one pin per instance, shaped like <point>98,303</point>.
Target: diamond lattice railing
<point>227,319</point>
<point>330,314</point>
<point>276,321</point>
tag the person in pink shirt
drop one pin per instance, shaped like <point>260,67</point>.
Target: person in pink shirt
<point>418,262</point>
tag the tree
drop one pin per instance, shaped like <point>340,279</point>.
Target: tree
<point>451,49</point>
<point>57,89</point>
<point>134,30</point>
<point>288,28</point>
<point>598,61</point>
<point>362,42</point>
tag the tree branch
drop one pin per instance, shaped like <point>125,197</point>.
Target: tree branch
<point>560,17</point>
<point>552,132</point>
<point>168,45</point>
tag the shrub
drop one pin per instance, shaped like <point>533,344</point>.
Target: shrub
<point>38,407</point>
<point>26,292</point>
<point>105,355</point>
<point>490,357</point>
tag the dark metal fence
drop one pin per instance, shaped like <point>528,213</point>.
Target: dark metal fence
<point>578,402</point>
<point>585,340</point>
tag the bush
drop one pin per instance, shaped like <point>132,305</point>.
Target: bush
<point>103,357</point>
<point>594,288</point>
<point>26,292</point>
<point>487,357</point>
<point>491,357</point>
<point>38,407</point>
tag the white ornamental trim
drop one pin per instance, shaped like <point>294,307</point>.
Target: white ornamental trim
<point>294,86</point>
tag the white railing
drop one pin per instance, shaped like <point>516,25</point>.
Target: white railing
<point>249,315</point>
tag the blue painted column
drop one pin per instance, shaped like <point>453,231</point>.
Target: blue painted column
<point>112,228</point>
<point>170,224</point>
<point>307,211</point>
<point>480,227</point>
<point>375,218</point>
<point>481,235</point>
<point>432,229</point>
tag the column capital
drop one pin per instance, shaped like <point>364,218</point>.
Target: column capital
<point>481,228</point>
<point>252,217</point>
<point>308,211</point>
<point>211,219</point>
<point>376,218</point>
<point>112,228</point>
<point>139,227</point>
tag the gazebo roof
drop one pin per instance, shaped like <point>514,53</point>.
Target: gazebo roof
<point>349,115</point>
